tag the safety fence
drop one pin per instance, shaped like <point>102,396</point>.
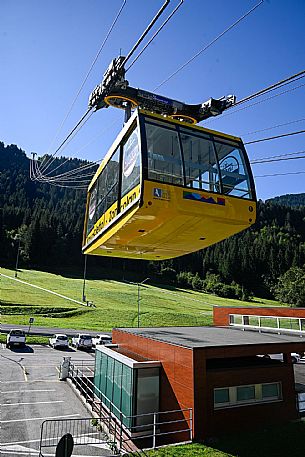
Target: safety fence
<point>288,325</point>
<point>143,430</point>
<point>87,433</point>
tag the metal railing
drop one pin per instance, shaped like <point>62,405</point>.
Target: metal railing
<point>281,324</point>
<point>123,429</point>
<point>85,432</point>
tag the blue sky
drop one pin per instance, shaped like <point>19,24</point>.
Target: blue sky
<point>47,47</point>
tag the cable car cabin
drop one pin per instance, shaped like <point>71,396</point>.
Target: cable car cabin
<point>167,188</point>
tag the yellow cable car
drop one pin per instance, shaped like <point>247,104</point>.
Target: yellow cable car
<point>167,188</point>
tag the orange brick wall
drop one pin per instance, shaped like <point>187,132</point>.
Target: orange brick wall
<point>221,314</point>
<point>176,379</point>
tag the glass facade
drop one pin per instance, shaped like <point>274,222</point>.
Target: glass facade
<point>127,391</point>
<point>199,160</point>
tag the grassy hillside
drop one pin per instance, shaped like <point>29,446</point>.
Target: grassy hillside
<point>116,303</point>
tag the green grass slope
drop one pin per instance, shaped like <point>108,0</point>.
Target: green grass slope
<point>116,303</point>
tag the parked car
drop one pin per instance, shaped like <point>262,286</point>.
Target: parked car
<point>16,337</point>
<point>59,340</point>
<point>82,341</point>
<point>101,339</point>
<point>295,357</point>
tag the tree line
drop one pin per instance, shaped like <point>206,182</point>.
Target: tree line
<point>264,260</point>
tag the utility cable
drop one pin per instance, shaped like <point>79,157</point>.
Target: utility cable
<point>275,137</point>
<point>73,132</point>
<point>209,45</point>
<point>89,71</point>
<point>275,86</point>
<point>277,160</point>
<point>254,104</point>
<point>279,155</point>
<point>155,34</point>
<point>273,127</point>
<point>281,174</point>
<point>146,31</point>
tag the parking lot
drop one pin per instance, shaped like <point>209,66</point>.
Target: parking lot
<point>32,393</point>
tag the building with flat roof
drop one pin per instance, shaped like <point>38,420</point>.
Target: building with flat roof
<point>217,373</point>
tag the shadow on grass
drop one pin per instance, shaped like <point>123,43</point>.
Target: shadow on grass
<point>282,441</point>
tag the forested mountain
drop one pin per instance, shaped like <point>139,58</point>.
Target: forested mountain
<point>294,200</point>
<point>49,222</point>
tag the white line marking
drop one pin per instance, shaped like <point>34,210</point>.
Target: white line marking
<point>45,290</point>
<point>46,439</point>
<point>32,380</point>
<point>22,391</point>
<point>33,403</point>
<point>38,418</point>
<point>19,448</point>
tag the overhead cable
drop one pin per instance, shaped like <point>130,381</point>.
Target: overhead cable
<point>275,86</point>
<point>155,34</point>
<point>281,174</point>
<point>73,132</point>
<point>209,45</point>
<point>146,31</point>
<point>276,137</point>
<point>273,127</point>
<point>279,155</point>
<point>90,70</point>
<point>254,104</point>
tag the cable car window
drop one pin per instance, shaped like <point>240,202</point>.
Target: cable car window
<point>164,154</point>
<point>201,168</point>
<point>108,185</point>
<point>233,170</point>
<point>92,209</point>
<point>131,165</point>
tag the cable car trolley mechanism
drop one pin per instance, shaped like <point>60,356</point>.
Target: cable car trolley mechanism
<point>166,187</point>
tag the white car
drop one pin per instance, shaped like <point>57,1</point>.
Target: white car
<point>16,337</point>
<point>59,340</point>
<point>101,339</point>
<point>82,341</point>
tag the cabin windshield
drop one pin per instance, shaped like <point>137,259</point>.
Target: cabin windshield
<point>195,159</point>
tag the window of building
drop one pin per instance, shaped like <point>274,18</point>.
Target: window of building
<point>244,395</point>
<point>221,396</point>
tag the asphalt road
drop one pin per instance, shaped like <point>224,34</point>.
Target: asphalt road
<point>49,331</point>
<point>32,394</point>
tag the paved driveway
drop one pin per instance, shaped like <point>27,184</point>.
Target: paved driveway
<point>31,394</point>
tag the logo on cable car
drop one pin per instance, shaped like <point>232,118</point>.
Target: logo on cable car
<point>203,199</point>
<point>161,194</point>
<point>131,152</point>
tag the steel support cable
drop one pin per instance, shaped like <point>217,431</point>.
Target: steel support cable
<point>277,160</point>
<point>254,104</point>
<point>209,45</point>
<point>273,127</point>
<point>74,171</point>
<point>73,132</point>
<point>274,86</point>
<point>155,34</point>
<point>146,31</point>
<point>281,174</point>
<point>89,71</point>
<point>279,155</point>
<point>83,147</point>
<point>276,137</point>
